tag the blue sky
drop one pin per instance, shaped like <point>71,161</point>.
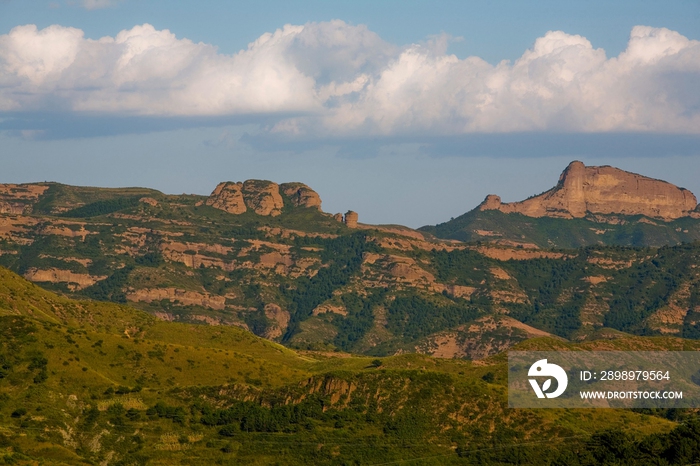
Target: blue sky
<point>403,111</point>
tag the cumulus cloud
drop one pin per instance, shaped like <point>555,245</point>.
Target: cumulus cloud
<point>335,80</point>
<point>562,83</point>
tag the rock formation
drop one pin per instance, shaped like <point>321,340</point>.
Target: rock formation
<point>279,320</point>
<point>183,297</point>
<point>351,219</point>
<point>150,201</point>
<point>17,199</point>
<point>12,208</point>
<point>301,195</point>
<point>492,202</point>
<point>75,281</point>
<point>261,196</point>
<point>585,190</point>
<point>228,197</point>
<point>338,217</point>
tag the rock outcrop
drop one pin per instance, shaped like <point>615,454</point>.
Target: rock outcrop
<point>13,208</point>
<point>150,201</point>
<point>492,202</point>
<point>75,281</point>
<point>351,219</point>
<point>261,196</point>
<point>301,195</point>
<point>279,320</point>
<point>17,199</point>
<point>602,190</point>
<point>228,197</point>
<point>183,297</point>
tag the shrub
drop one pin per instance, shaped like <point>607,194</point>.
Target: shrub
<point>229,430</point>
<point>231,447</point>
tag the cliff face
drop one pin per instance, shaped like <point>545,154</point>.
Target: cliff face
<point>261,196</point>
<point>18,198</point>
<point>602,190</point>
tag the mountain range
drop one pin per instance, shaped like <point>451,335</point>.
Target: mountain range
<point>250,326</point>
<point>266,258</point>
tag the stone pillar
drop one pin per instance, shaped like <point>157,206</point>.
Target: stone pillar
<point>351,219</point>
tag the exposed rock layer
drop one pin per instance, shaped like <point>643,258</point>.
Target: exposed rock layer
<point>184,297</point>
<point>602,190</point>
<point>75,281</point>
<point>17,199</point>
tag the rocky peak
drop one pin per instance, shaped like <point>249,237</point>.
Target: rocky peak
<point>492,202</point>
<point>261,196</point>
<point>602,190</point>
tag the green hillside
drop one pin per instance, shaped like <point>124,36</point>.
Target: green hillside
<point>626,289</point>
<point>65,200</point>
<point>88,383</point>
<point>547,232</point>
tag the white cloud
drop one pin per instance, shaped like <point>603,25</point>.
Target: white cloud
<point>562,83</point>
<point>325,80</point>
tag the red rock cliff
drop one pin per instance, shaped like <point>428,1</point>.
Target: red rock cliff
<point>602,190</point>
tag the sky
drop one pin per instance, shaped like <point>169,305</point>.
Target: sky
<point>407,112</point>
